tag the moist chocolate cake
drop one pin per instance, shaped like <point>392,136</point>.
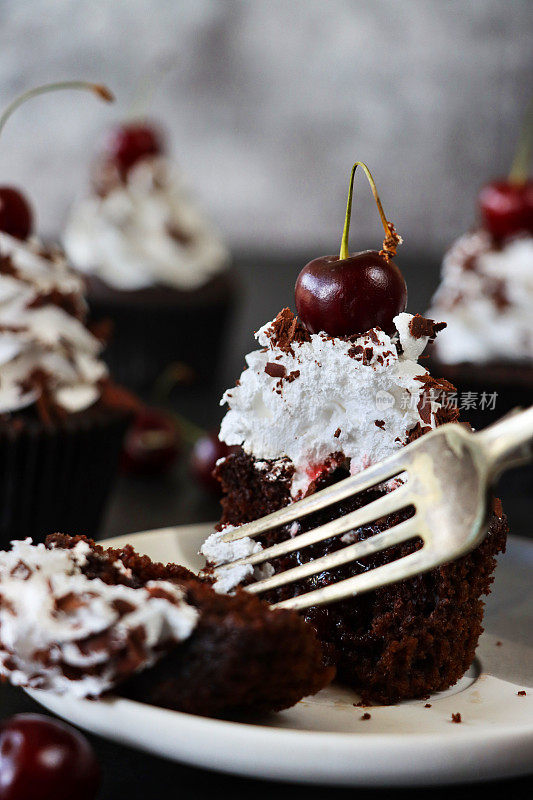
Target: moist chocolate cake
<point>308,411</point>
<point>80,619</point>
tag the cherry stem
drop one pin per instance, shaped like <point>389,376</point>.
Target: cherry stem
<point>391,241</point>
<point>98,89</point>
<point>522,158</point>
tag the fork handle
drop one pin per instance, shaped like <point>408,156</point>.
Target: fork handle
<point>508,442</point>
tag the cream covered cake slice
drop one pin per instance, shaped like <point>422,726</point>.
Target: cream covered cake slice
<point>81,620</point>
<point>73,634</point>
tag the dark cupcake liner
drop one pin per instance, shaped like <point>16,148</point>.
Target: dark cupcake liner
<point>58,478</point>
<point>159,328</point>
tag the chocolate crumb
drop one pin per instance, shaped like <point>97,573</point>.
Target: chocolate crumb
<point>21,570</point>
<point>428,705</point>
<point>379,423</point>
<point>67,301</point>
<point>275,370</point>
<point>421,326</point>
<point>521,693</point>
<point>179,235</point>
<point>293,375</point>
<point>456,718</point>
<point>68,603</point>
<point>366,716</point>
<point>355,351</point>
<point>337,433</point>
<point>498,644</point>
<point>287,330</point>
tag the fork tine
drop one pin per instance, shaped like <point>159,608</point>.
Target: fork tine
<point>380,541</point>
<point>399,570</point>
<point>392,501</point>
<point>372,476</point>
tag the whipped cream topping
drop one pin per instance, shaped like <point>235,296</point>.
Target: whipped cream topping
<point>325,397</point>
<point>42,331</point>
<point>486,297</point>
<point>217,552</point>
<point>64,632</point>
<point>145,232</point>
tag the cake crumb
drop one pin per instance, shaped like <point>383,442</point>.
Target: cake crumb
<point>498,643</point>
<point>428,705</point>
<point>497,507</point>
<point>522,693</point>
<point>456,718</point>
<point>366,716</point>
<point>337,433</point>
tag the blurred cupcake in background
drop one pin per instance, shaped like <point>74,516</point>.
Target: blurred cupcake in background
<point>62,420</point>
<point>486,299</point>
<point>153,263</point>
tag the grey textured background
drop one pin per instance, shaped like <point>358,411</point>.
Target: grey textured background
<point>268,103</point>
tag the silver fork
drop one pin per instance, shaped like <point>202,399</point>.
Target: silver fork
<point>445,475</point>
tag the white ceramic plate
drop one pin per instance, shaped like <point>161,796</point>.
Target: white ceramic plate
<point>323,739</point>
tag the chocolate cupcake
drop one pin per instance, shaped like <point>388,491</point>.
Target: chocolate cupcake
<point>62,420</point>
<point>326,395</point>
<point>486,298</point>
<point>153,264</point>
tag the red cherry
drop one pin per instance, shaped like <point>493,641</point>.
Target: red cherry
<point>128,144</point>
<point>16,217</point>
<point>43,759</point>
<point>151,444</point>
<point>206,452</point>
<point>350,296</point>
<point>507,208</point>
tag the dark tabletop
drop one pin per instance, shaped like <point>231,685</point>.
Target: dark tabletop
<point>266,285</point>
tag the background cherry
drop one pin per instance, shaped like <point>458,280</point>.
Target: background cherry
<point>16,216</point>
<point>205,453</point>
<point>507,208</point>
<point>348,294</point>
<point>506,205</point>
<point>129,143</point>
<point>44,759</point>
<point>151,445</point>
